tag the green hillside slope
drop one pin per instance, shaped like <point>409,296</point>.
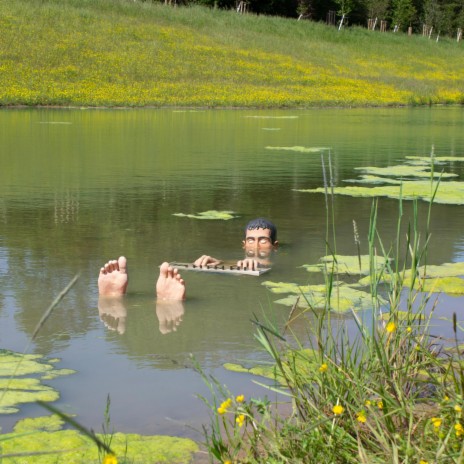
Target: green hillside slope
<point>125,53</point>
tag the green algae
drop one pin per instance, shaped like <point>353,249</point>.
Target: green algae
<point>300,149</point>
<point>444,278</point>
<point>21,364</point>
<point>403,170</point>
<point>271,117</point>
<point>50,375</point>
<point>51,423</point>
<point>369,179</point>
<point>451,192</point>
<point>448,285</point>
<point>344,297</point>
<point>210,215</point>
<point>344,264</point>
<point>436,159</point>
<point>19,382</point>
<point>69,446</point>
<point>10,399</point>
<point>305,362</point>
<point>402,316</point>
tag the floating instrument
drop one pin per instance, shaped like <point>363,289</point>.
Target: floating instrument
<point>220,269</point>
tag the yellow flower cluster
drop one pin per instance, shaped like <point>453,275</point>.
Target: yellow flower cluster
<point>225,405</point>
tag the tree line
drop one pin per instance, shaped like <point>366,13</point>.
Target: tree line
<point>446,17</point>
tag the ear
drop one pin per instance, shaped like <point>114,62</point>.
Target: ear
<point>276,245</point>
<point>243,243</point>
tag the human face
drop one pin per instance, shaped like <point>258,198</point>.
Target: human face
<point>258,240</point>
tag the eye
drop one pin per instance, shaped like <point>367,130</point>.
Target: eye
<point>264,240</point>
<point>250,240</point>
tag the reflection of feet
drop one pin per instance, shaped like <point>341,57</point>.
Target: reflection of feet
<point>113,278</point>
<point>113,313</point>
<point>169,315</point>
<point>170,285</point>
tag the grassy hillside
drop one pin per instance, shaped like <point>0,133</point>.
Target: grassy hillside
<point>126,53</point>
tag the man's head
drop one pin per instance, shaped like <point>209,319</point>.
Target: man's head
<point>260,236</point>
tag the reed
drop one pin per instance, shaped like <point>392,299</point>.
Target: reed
<point>390,393</point>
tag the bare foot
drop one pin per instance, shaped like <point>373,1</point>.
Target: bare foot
<point>113,278</point>
<point>170,285</point>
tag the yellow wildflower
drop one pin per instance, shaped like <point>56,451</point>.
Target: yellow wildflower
<point>227,462</point>
<point>457,408</point>
<point>445,399</point>
<point>323,368</point>
<point>338,409</point>
<point>368,403</point>
<point>240,420</point>
<point>409,330</point>
<point>459,429</point>
<point>224,406</point>
<point>391,327</point>
<point>423,462</point>
<point>380,404</point>
<point>240,398</point>
<point>436,421</point>
<point>361,417</point>
<point>110,459</point>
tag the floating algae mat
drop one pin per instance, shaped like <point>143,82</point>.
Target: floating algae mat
<point>444,278</point>
<point>300,149</point>
<point>399,182</point>
<point>342,264</point>
<point>305,362</point>
<point>45,434</point>
<point>211,215</point>
<point>344,297</point>
<point>401,171</point>
<point>20,380</point>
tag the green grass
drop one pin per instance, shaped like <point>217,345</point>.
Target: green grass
<point>124,53</point>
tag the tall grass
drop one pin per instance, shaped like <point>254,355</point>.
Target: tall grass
<point>390,393</point>
<point>124,53</point>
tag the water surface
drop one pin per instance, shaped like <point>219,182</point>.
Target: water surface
<point>79,187</point>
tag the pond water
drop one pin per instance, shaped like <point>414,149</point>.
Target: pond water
<point>79,187</point>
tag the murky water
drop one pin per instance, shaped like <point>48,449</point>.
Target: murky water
<point>78,187</point>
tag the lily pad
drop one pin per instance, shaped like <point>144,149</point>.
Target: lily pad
<point>210,215</point>
<point>345,264</point>
<point>300,149</point>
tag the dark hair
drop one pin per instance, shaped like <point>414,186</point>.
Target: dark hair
<point>261,223</point>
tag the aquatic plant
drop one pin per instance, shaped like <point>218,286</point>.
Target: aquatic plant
<point>401,186</point>
<point>389,393</point>
<point>43,440</point>
<point>211,215</point>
